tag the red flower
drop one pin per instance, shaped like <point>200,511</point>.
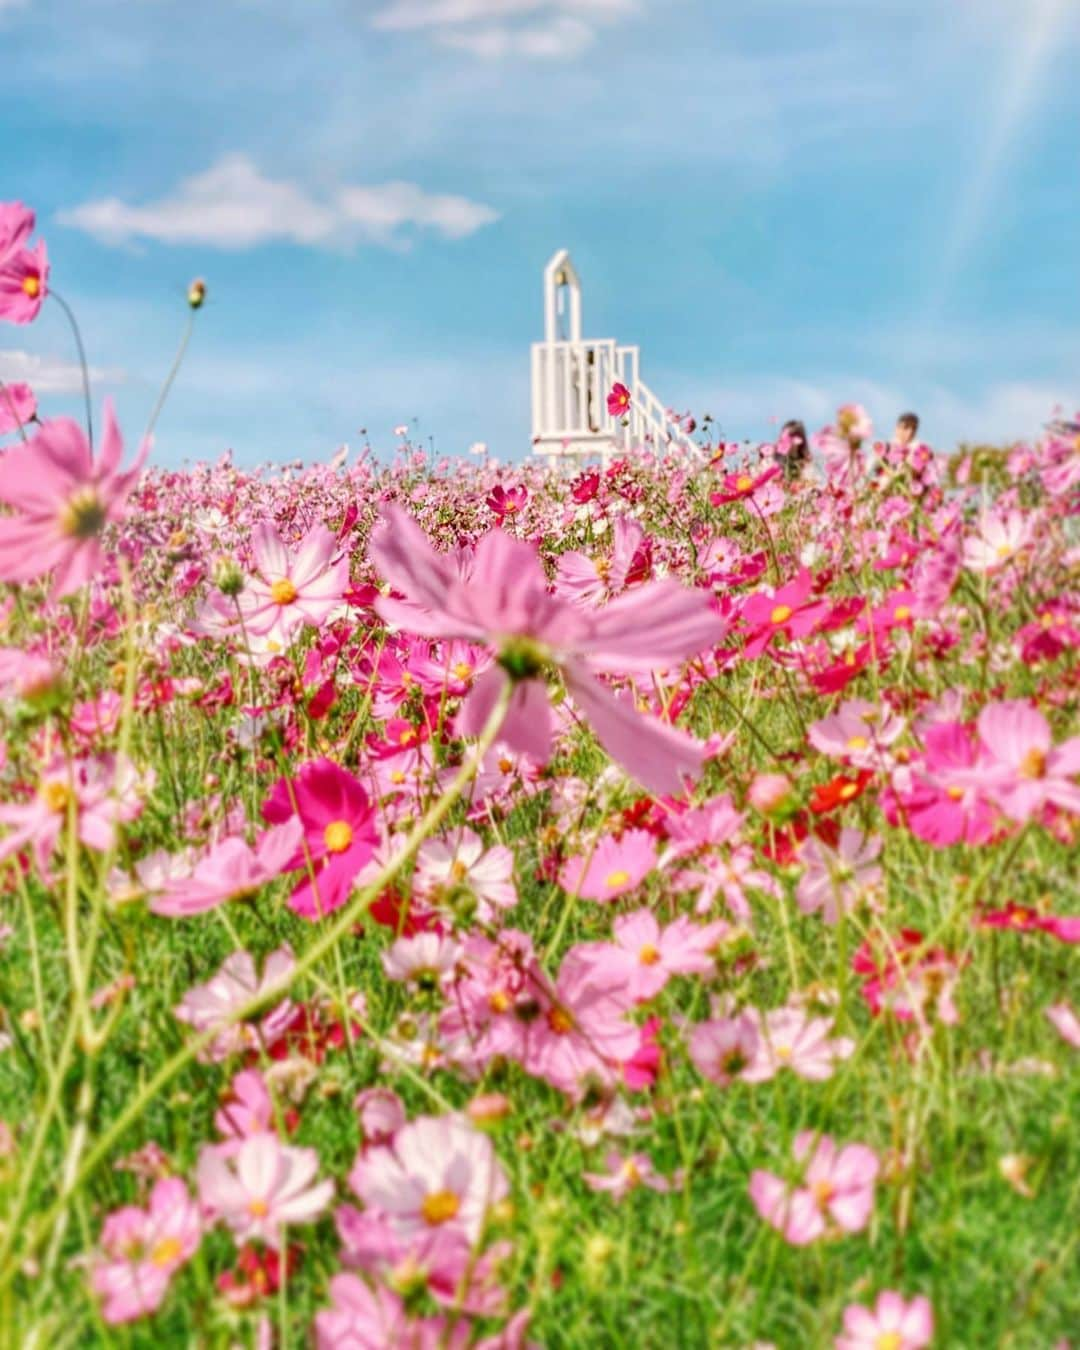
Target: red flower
<point>585,487</point>
<point>839,791</point>
<point>618,401</point>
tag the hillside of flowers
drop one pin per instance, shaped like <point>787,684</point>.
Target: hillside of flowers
<point>454,904</point>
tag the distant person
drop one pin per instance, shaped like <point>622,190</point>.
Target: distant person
<point>797,456</point>
<point>907,428</point>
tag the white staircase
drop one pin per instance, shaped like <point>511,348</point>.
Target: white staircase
<point>571,380</point>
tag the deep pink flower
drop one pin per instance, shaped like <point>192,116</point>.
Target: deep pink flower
<point>736,486</point>
<point>62,500</point>
<point>24,283</point>
<point>339,833</point>
<point>504,502</point>
<point>506,603</point>
<point>892,1324</point>
<point>618,400</point>
<point>143,1249</point>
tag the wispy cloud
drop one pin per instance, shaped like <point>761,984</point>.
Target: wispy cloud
<point>49,375</point>
<point>493,29</point>
<point>234,206</point>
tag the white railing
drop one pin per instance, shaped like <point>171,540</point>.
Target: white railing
<point>570,384</point>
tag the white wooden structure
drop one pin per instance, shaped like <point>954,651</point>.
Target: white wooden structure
<point>572,377</point>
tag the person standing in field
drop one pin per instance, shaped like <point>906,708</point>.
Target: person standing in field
<point>797,451</point>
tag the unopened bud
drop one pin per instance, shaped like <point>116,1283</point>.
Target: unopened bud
<point>196,293</point>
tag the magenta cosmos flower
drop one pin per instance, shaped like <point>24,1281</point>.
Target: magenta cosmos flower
<point>339,833</point>
<point>891,1324</point>
<point>837,1190</point>
<point>506,603</point>
<point>142,1249</point>
<point>62,500</point>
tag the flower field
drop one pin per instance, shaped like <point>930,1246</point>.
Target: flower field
<point>449,905</point>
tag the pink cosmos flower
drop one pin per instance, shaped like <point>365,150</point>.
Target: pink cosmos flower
<point>444,867</point>
<point>439,1171</point>
<point>837,879</point>
<point>261,1186</point>
<point>16,227</point>
<point>837,1189</point>
<point>1065,1023</point>
<point>892,1324</point>
<point>858,732</point>
<point>62,500</point>
<point>425,959</point>
<point>381,1115</point>
<point>236,984</point>
<point>625,1175</point>
<point>231,871</point>
<point>505,602</point>
<point>339,833</point>
<point>17,406</point>
<point>736,486</point>
<point>582,1034</point>
<point>722,1049</point>
<point>615,867</point>
<point>789,1038</point>
<point>940,805</point>
<point>644,956</point>
<point>1000,539</point>
<point>24,283</point>
<point>106,791</point>
<point>249,1110</point>
<point>363,1318</point>
<point>142,1249</point>
<point>1026,770</point>
<point>293,587</point>
<point>587,581</point>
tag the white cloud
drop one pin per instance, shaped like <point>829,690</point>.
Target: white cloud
<point>493,29</point>
<point>48,375</point>
<point>233,206</point>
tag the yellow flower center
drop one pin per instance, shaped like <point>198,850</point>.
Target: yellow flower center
<point>258,1209</point>
<point>1033,765</point>
<point>458,870</point>
<point>857,743</point>
<point>55,795</point>
<point>782,1051</point>
<point>631,1172</point>
<point>499,1001</point>
<point>602,567</point>
<point>743,482</point>
<point>954,793</point>
<point>781,614</point>
<point>82,516</point>
<point>823,1191</point>
<point>166,1251</point>
<point>848,791</point>
<point>439,1207</point>
<point>901,613</point>
<point>337,836</point>
<point>406,736</point>
<point>560,1021</point>
<point>462,671</point>
<point>1004,550</point>
<point>283,592</point>
<point>649,955</point>
<point>889,1340</point>
<point>617,878</point>
<point>32,286</point>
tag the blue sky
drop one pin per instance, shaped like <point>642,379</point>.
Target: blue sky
<point>786,203</point>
